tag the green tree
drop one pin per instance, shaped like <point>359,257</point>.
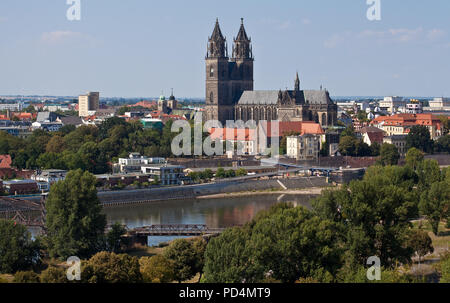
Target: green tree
<point>389,154</point>
<point>419,137</point>
<point>348,132</point>
<point>241,172</point>
<point>228,257</point>
<point>106,267</point>
<point>362,149</point>
<point>17,250</point>
<point>114,240</point>
<point>55,145</point>
<point>220,173</point>
<point>157,269</point>
<point>373,215</point>
<point>375,149</point>
<point>435,204</point>
<point>414,157</point>
<point>420,242</point>
<point>26,277</point>
<point>54,274</point>
<point>443,144</point>
<point>75,223</point>
<point>184,257</point>
<point>444,268</point>
<point>347,145</point>
<point>199,246</point>
<point>428,172</point>
<point>285,242</point>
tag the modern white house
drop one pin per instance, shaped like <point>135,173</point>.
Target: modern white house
<point>135,161</point>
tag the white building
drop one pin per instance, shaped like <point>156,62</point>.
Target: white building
<point>135,161</point>
<point>165,174</point>
<point>305,147</point>
<point>50,176</point>
<point>439,103</point>
<point>13,107</point>
<point>391,104</point>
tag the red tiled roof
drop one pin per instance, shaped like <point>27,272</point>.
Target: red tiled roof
<point>233,134</point>
<point>146,104</point>
<point>5,161</point>
<point>376,137</point>
<point>303,128</point>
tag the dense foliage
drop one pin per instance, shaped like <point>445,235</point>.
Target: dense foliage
<point>86,147</point>
<point>74,222</point>
<point>17,250</point>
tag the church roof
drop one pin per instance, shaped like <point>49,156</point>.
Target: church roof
<point>242,35</point>
<point>270,97</point>
<point>263,97</point>
<point>217,33</point>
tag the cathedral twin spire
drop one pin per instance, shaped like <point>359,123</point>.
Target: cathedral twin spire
<point>218,48</point>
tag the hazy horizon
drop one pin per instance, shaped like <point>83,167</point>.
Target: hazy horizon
<point>138,48</point>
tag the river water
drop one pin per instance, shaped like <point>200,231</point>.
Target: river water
<point>214,212</point>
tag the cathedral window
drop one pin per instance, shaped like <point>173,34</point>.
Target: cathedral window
<point>211,97</point>
<point>211,72</point>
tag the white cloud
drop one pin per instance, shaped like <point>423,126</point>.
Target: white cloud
<point>60,37</point>
<point>306,21</point>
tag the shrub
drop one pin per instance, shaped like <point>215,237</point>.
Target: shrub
<point>26,277</point>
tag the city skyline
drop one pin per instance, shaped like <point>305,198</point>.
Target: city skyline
<point>161,46</point>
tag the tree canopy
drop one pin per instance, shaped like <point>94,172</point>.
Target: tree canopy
<point>74,222</point>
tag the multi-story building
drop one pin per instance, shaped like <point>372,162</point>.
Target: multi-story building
<point>88,104</point>
<point>399,141</point>
<point>50,176</point>
<point>391,104</point>
<point>165,174</point>
<point>303,147</point>
<point>414,107</point>
<point>135,161</point>
<point>13,107</point>
<point>439,103</point>
<point>19,187</point>
<point>21,129</point>
<point>402,123</point>
<point>244,139</point>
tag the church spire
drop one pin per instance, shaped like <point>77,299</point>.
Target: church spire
<point>297,83</point>
<point>217,44</point>
<point>242,44</point>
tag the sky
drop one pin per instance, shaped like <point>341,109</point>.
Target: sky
<point>139,48</point>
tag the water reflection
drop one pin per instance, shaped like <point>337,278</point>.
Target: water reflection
<point>215,213</point>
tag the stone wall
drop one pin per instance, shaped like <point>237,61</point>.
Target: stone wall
<point>192,191</point>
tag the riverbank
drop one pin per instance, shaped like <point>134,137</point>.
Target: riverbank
<point>307,191</point>
<point>222,189</point>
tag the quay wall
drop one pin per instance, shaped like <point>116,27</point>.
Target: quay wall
<point>192,191</point>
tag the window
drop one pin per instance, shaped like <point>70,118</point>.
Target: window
<point>211,97</point>
<point>211,71</point>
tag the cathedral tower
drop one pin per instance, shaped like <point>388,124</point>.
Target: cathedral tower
<point>217,78</point>
<point>242,74</point>
<point>227,79</point>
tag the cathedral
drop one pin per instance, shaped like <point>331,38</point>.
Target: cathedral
<point>230,94</point>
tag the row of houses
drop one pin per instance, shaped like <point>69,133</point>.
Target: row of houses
<point>257,140</point>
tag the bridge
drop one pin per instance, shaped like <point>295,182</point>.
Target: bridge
<point>174,230</point>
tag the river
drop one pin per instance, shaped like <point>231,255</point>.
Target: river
<point>214,212</point>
